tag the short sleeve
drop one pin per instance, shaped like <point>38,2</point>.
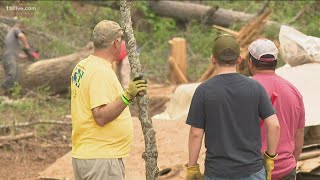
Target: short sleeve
<point>302,117</point>
<point>196,115</point>
<point>265,107</point>
<point>16,32</point>
<point>100,89</point>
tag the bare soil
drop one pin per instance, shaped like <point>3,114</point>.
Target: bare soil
<point>24,159</point>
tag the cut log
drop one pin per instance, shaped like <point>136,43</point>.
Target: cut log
<point>178,53</point>
<point>54,72</point>
<point>186,11</point>
<point>176,72</point>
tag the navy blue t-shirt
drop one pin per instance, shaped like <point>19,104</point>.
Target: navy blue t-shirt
<point>228,107</point>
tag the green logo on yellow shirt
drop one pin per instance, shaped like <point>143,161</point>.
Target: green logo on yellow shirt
<point>77,76</point>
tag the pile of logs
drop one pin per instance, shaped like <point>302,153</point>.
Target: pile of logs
<point>245,36</point>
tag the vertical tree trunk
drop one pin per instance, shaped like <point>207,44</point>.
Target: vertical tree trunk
<point>151,154</point>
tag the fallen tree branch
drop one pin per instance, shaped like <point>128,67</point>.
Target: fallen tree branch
<point>5,139</point>
<point>151,153</point>
<point>27,124</point>
<point>180,77</point>
<point>232,32</point>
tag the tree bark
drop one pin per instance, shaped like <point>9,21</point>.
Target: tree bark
<point>54,72</point>
<point>151,154</point>
<point>186,11</point>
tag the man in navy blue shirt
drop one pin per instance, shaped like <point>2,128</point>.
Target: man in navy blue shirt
<point>227,109</point>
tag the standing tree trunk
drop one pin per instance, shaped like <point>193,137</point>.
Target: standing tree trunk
<point>151,154</point>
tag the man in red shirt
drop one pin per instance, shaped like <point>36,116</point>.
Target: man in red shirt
<point>124,66</point>
<point>288,105</point>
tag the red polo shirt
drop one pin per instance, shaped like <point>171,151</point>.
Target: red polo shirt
<point>290,112</point>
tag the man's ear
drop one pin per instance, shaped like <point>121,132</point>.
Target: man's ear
<point>249,63</point>
<point>213,60</point>
<point>239,60</point>
<point>116,43</point>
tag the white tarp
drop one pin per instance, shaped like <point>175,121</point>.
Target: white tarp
<point>305,77</point>
<point>178,106</point>
<point>297,48</point>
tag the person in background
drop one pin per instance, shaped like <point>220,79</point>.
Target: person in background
<point>263,56</point>
<point>124,66</point>
<point>10,56</point>
<point>101,120</point>
<point>227,110</point>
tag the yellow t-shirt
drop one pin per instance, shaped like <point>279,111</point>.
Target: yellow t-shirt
<point>94,83</point>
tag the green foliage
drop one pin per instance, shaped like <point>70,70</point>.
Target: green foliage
<point>71,24</point>
<point>200,40</point>
<point>41,130</point>
<point>41,106</point>
<point>153,43</point>
<point>16,90</point>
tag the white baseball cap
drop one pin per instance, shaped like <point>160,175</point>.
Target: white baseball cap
<point>261,47</point>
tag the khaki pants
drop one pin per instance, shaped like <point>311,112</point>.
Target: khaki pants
<point>98,169</point>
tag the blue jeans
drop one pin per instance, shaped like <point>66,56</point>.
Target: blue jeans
<point>261,175</point>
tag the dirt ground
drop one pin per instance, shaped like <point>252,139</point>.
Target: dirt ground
<point>24,159</point>
<point>172,142</point>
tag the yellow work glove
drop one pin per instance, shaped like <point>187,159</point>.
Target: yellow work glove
<point>193,172</point>
<point>134,88</point>
<point>268,162</point>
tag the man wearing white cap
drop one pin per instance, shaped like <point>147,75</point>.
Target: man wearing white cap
<point>263,55</point>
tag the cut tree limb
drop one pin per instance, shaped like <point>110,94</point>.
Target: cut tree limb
<point>151,153</point>
<point>207,74</point>
<point>5,139</point>
<point>178,74</point>
<point>232,32</point>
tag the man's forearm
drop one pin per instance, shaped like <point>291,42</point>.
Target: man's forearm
<point>273,130</point>
<point>299,140</point>
<point>24,41</point>
<point>107,113</point>
<point>195,141</point>
<point>273,140</point>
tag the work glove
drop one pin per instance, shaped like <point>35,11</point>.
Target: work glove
<point>193,172</point>
<point>135,86</point>
<point>268,162</point>
<point>33,54</point>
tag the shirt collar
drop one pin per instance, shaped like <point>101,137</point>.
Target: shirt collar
<point>100,60</point>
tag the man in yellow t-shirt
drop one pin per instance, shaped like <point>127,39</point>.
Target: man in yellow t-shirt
<point>101,120</point>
